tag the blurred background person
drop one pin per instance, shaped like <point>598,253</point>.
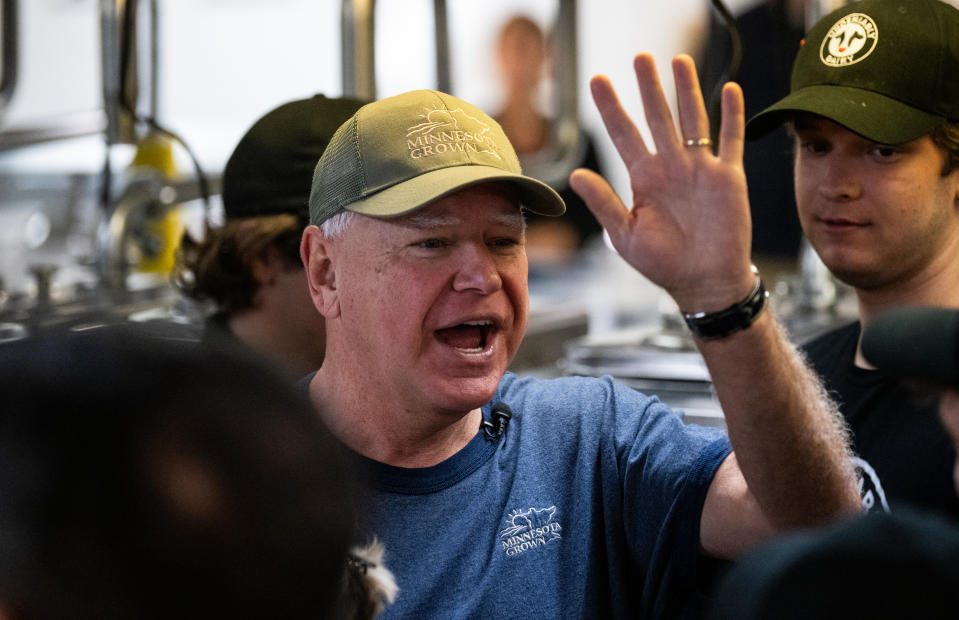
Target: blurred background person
<point>766,38</point>
<point>249,268</point>
<point>143,478</point>
<point>522,58</point>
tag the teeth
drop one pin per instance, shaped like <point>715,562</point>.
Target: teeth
<point>479,323</point>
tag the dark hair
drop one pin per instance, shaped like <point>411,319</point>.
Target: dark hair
<point>142,479</point>
<point>946,137</point>
<point>219,268</point>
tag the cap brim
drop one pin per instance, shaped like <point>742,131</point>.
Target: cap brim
<point>869,114</point>
<point>414,193</point>
<point>915,343</point>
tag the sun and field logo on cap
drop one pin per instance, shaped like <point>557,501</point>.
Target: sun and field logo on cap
<point>849,41</point>
<point>445,131</point>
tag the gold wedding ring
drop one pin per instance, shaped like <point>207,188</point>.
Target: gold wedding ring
<point>698,142</point>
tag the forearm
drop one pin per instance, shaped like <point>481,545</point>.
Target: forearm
<point>790,441</point>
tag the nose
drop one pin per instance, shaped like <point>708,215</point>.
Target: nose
<point>839,180</point>
<point>477,271</point>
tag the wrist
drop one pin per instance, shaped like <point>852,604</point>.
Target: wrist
<point>736,317</point>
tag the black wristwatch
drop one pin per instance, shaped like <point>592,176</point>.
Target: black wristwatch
<point>739,316</point>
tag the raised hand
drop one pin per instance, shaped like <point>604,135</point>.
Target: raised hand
<point>688,229</point>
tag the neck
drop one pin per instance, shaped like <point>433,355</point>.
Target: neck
<point>937,285</point>
<point>527,128</point>
<point>379,427</point>
<point>279,345</point>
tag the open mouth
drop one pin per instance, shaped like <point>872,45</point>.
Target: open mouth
<point>468,337</point>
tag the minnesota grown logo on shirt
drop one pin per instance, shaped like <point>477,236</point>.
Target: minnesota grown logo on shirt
<point>530,529</point>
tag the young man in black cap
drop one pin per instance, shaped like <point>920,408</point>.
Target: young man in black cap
<point>899,565</point>
<point>250,267</point>
<point>503,496</point>
<point>874,107</point>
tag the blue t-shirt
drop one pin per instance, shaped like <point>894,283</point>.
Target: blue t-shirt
<point>588,505</point>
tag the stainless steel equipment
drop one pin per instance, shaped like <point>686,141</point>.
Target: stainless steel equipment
<point>659,360</point>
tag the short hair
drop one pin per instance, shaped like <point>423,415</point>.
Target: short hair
<point>946,137</point>
<point>152,479</point>
<point>338,224</point>
<point>219,267</point>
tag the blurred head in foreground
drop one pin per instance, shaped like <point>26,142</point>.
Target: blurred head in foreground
<point>149,480</point>
<point>921,345</point>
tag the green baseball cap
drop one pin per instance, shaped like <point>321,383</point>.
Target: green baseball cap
<point>885,69</point>
<point>398,154</point>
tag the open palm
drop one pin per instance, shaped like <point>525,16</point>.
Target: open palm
<point>688,229</point>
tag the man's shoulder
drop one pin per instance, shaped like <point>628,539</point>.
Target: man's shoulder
<point>557,390</point>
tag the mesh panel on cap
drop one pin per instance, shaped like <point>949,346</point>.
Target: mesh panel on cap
<point>343,179</point>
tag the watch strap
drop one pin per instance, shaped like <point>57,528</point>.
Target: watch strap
<point>737,317</point>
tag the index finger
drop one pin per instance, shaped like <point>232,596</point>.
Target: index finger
<point>620,127</point>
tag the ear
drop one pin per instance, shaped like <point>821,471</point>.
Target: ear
<point>955,185</point>
<point>317,253</point>
<point>264,267</point>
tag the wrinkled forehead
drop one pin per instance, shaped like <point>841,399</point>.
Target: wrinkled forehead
<point>489,203</point>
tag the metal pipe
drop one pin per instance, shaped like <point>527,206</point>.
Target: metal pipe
<point>9,43</point>
<point>566,65</point>
<point>154,60</point>
<point>444,81</point>
<point>358,36</point>
<point>117,87</point>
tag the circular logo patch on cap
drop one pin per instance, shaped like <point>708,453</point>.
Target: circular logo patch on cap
<point>849,41</point>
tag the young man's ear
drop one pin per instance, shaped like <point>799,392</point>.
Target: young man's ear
<point>264,267</point>
<point>316,252</point>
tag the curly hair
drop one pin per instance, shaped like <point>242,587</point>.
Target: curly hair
<point>218,268</point>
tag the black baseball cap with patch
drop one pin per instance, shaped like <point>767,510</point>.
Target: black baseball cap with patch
<point>885,69</point>
<point>271,168</point>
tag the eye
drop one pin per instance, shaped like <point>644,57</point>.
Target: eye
<point>431,244</point>
<point>884,152</point>
<point>814,146</point>
<point>504,242</point>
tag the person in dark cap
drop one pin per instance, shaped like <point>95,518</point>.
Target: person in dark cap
<point>249,268</point>
<point>147,478</point>
<point>500,496</point>
<point>885,565</point>
<point>874,111</point>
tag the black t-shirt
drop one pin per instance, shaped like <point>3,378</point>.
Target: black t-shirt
<point>905,456</point>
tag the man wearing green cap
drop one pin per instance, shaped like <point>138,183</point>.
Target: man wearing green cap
<point>503,496</point>
<point>874,107</point>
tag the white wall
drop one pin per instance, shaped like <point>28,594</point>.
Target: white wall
<point>225,62</point>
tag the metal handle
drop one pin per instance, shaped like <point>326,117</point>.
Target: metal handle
<point>8,50</point>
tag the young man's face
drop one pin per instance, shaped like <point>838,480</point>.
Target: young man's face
<point>434,304</point>
<point>878,215</point>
